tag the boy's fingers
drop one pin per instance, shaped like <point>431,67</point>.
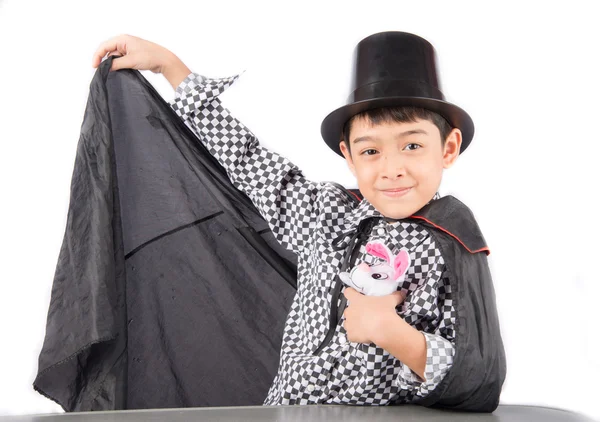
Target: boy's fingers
<point>125,62</point>
<point>108,46</point>
<point>349,292</point>
<point>101,52</point>
<point>399,297</point>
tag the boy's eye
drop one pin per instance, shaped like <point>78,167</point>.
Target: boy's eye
<point>412,147</point>
<point>369,151</point>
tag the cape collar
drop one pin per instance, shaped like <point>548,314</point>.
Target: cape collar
<point>454,218</point>
<point>446,214</point>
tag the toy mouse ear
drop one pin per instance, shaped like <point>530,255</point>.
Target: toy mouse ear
<point>379,250</point>
<point>401,263</point>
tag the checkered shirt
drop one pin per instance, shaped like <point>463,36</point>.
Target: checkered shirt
<point>306,217</point>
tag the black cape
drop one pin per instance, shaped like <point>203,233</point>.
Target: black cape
<point>170,289</point>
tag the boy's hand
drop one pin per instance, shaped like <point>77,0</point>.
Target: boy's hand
<point>142,55</point>
<point>366,315</point>
<point>137,54</point>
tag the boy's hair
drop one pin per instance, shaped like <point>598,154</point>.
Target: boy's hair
<point>403,114</point>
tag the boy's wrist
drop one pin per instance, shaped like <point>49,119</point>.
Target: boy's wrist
<point>403,341</point>
<point>173,69</point>
<point>389,325</point>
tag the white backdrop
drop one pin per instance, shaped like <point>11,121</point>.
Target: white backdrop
<point>526,72</point>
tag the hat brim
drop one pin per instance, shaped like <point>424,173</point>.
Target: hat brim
<point>333,124</point>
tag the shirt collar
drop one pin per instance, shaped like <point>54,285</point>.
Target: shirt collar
<point>363,210</point>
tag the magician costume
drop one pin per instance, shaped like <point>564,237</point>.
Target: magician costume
<point>245,310</point>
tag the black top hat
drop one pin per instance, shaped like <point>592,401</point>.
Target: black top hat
<point>395,69</point>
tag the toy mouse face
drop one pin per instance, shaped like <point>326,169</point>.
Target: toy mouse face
<point>379,279</point>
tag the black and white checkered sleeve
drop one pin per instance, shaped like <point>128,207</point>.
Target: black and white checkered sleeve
<point>436,296</point>
<point>284,197</point>
<point>440,354</point>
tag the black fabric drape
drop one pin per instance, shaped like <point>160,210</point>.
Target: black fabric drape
<point>170,290</point>
<point>474,382</point>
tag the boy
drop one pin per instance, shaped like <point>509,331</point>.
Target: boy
<point>397,135</point>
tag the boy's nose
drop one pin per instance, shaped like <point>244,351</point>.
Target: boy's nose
<point>393,167</point>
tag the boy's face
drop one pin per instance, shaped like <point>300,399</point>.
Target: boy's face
<point>399,166</point>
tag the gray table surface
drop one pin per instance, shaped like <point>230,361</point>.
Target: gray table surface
<point>513,413</point>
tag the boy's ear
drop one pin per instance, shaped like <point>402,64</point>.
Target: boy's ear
<point>348,157</point>
<point>452,147</point>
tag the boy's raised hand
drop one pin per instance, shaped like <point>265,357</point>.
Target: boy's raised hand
<point>141,54</point>
<point>137,53</point>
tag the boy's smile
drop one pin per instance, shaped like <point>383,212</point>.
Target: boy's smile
<point>398,166</point>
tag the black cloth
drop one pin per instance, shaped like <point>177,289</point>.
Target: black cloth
<point>475,380</point>
<point>171,291</point>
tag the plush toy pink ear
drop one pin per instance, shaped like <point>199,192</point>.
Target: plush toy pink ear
<point>379,250</point>
<point>401,263</point>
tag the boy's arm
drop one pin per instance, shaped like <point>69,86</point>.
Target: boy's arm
<point>276,186</point>
<point>426,357</point>
<point>435,361</point>
<point>284,197</point>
